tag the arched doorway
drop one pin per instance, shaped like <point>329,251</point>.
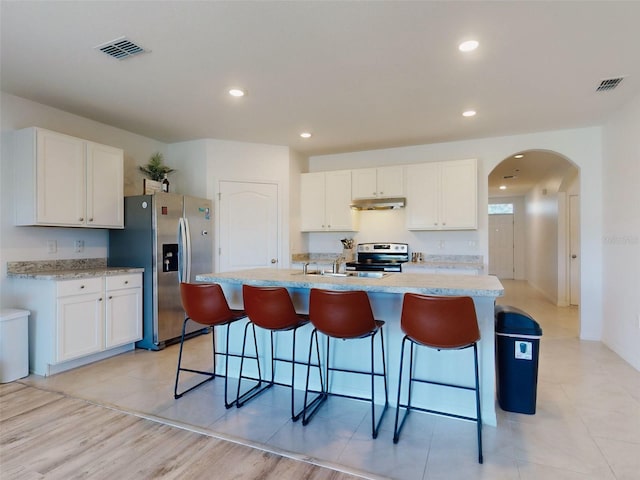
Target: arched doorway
<point>542,189</point>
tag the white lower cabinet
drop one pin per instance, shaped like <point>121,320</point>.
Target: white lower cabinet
<point>79,321</point>
<point>123,312</point>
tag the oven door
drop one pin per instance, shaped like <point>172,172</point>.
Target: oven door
<point>374,267</point>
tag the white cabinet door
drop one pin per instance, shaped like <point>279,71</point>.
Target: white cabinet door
<point>80,326</point>
<point>105,197</point>
<point>364,183</point>
<point>422,196</point>
<point>123,309</point>
<point>60,184</point>
<point>390,181</point>
<point>325,200</point>
<point>123,317</point>
<point>338,213</point>
<point>312,202</point>
<point>442,196</point>
<point>459,200</point>
<point>382,182</point>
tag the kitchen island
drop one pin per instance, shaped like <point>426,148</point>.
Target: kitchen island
<point>386,295</point>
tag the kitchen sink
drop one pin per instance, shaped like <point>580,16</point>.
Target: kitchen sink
<point>345,274</point>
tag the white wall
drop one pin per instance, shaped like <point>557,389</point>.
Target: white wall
<point>582,146</point>
<point>542,241</point>
<point>621,233</point>
<point>208,162</point>
<point>30,243</point>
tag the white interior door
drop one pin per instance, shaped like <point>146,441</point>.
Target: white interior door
<point>574,250</point>
<point>248,229</point>
<point>501,247</point>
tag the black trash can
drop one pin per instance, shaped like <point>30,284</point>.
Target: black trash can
<point>517,351</point>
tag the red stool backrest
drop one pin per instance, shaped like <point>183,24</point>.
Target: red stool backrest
<point>341,314</point>
<point>269,307</point>
<point>440,322</point>
<point>205,303</point>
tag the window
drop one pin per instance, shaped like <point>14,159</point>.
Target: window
<point>500,208</point>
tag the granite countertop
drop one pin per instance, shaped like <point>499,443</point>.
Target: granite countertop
<point>66,269</point>
<point>447,265</point>
<point>428,284</point>
<point>461,262</point>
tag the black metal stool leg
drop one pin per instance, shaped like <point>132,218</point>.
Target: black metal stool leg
<point>375,425</point>
<point>258,388</point>
<point>309,409</point>
<point>478,410</point>
<point>210,376</point>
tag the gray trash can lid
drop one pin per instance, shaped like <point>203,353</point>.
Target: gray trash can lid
<point>7,314</point>
<point>513,321</point>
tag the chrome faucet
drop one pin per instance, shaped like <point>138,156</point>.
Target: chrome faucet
<point>336,264</point>
<point>305,267</point>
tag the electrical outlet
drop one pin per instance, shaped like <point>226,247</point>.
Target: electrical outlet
<point>52,246</point>
<point>78,246</point>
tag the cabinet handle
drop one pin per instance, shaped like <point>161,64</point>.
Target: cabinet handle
<point>110,297</point>
<point>81,219</point>
<point>126,282</point>
<point>100,299</point>
<point>91,219</point>
<point>81,287</point>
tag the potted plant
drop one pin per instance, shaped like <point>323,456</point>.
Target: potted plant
<point>155,169</point>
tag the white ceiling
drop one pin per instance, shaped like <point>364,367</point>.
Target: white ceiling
<point>358,75</point>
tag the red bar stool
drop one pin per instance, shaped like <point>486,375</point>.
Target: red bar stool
<point>207,305</point>
<point>270,308</point>
<point>443,323</point>
<point>344,315</point>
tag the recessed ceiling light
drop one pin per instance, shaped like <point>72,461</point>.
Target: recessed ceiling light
<point>236,92</point>
<point>518,156</point>
<point>469,113</point>
<point>468,46</point>
<point>305,135</point>
<point>503,187</point>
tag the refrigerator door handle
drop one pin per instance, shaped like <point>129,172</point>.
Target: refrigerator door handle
<point>181,252</point>
<point>187,231</point>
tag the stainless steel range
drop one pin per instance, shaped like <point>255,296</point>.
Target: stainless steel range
<point>379,257</point>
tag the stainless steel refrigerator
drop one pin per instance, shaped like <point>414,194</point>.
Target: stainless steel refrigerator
<point>171,237</point>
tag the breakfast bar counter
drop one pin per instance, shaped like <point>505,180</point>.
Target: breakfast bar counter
<point>385,294</point>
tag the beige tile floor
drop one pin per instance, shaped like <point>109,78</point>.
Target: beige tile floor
<point>587,424</point>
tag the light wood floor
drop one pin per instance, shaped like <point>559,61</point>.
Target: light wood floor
<point>49,435</point>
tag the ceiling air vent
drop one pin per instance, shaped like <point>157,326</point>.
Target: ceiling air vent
<point>121,48</point>
<point>609,84</point>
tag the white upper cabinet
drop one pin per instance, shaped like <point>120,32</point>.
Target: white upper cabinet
<point>61,180</point>
<point>105,194</point>
<point>325,202</point>
<point>442,195</point>
<point>382,182</point>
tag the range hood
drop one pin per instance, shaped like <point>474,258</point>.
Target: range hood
<point>378,203</point>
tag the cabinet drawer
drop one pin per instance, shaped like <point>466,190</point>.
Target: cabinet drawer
<point>117,282</point>
<point>79,287</point>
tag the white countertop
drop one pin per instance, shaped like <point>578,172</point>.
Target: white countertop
<point>423,283</point>
<point>75,273</point>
